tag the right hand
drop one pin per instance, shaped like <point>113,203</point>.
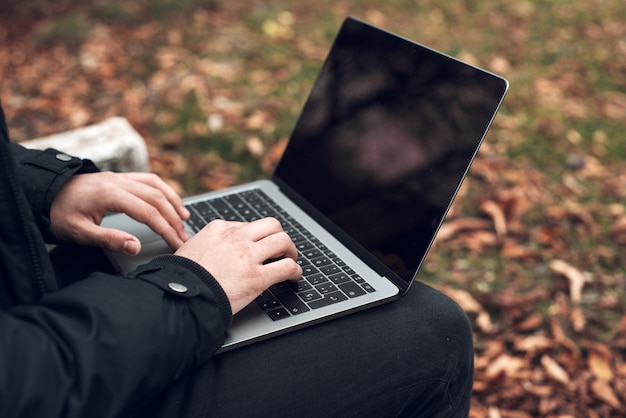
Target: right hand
<point>235,252</point>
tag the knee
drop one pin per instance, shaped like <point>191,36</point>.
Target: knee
<point>450,335</point>
<point>443,318</point>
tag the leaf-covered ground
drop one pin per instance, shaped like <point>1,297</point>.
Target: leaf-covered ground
<point>534,246</point>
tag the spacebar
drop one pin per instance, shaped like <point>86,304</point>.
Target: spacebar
<point>293,304</point>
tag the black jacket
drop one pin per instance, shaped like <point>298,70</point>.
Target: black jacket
<point>102,346</point>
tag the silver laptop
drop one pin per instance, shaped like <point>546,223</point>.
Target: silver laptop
<point>384,141</point>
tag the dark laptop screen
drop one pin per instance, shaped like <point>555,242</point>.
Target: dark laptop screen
<point>385,139</point>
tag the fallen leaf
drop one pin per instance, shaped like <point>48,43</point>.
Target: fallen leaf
<point>452,228</point>
<point>578,319</point>
<point>599,362</point>
<point>534,343</point>
<point>604,392</point>
<point>495,212</point>
<point>505,365</point>
<point>554,370</point>
<point>532,322</point>
<point>575,277</point>
<point>561,338</point>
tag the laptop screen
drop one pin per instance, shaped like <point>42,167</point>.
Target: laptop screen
<point>384,141</point>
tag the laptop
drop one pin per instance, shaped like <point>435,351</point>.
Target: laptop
<point>377,155</point>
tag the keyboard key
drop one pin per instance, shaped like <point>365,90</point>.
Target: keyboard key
<point>316,279</point>
<point>326,288</point>
<point>292,303</point>
<point>321,261</point>
<point>352,289</point>
<point>299,286</point>
<point>301,245</point>
<point>280,287</point>
<point>368,287</point>
<point>308,270</point>
<point>267,301</point>
<point>358,278</point>
<point>329,299</point>
<point>312,253</point>
<point>278,314</point>
<point>309,295</point>
<point>330,269</point>
<point>339,278</point>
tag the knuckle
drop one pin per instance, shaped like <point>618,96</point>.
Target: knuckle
<point>271,222</point>
<point>152,212</point>
<point>154,195</point>
<point>276,222</point>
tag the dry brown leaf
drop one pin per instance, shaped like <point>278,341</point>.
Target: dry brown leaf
<point>576,278</point>
<point>491,349</point>
<point>599,362</point>
<point>511,248</point>
<point>494,413</point>
<point>505,365</point>
<point>554,370</point>
<point>495,212</point>
<point>604,392</point>
<point>534,343</point>
<point>507,413</point>
<point>549,236</point>
<point>479,241</point>
<point>618,230</point>
<point>541,390</point>
<point>255,146</point>
<point>561,338</point>
<point>535,320</point>
<point>577,316</point>
<point>452,228</point>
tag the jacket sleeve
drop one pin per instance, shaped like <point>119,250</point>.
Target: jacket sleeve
<point>109,344</point>
<point>42,174</point>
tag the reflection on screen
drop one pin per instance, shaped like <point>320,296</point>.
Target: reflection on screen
<point>385,139</point>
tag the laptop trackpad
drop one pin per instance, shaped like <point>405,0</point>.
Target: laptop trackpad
<point>149,250</point>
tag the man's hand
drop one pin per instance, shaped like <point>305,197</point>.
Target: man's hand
<point>236,253</point>
<point>80,205</point>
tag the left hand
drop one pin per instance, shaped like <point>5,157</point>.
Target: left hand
<point>80,205</point>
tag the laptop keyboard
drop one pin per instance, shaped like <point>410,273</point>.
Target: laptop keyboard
<point>326,278</point>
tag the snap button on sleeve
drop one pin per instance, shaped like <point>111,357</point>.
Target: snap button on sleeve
<point>63,157</point>
<point>177,287</point>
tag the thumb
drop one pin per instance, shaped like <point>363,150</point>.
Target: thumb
<point>112,239</point>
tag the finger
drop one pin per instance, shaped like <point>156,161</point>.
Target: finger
<point>141,185</point>
<point>116,240</point>
<point>158,183</point>
<point>170,213</point>
<point>148,206</point>
<point>281,270</point>
<point>275,246</point>
<point>146,213</point>
<point>262,228</point>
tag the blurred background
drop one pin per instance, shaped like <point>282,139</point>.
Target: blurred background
<point>533,248</point>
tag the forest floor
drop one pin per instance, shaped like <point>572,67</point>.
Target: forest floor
<point>533,248</point>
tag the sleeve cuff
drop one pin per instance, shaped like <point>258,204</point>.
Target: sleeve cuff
<point>43,174</point>
<point>207,279</point>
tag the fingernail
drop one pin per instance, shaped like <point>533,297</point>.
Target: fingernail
<point>131,247</point>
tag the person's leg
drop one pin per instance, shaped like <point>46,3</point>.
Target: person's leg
<point>412,357</point>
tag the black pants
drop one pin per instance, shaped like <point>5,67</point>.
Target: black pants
<point>411,357</point>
